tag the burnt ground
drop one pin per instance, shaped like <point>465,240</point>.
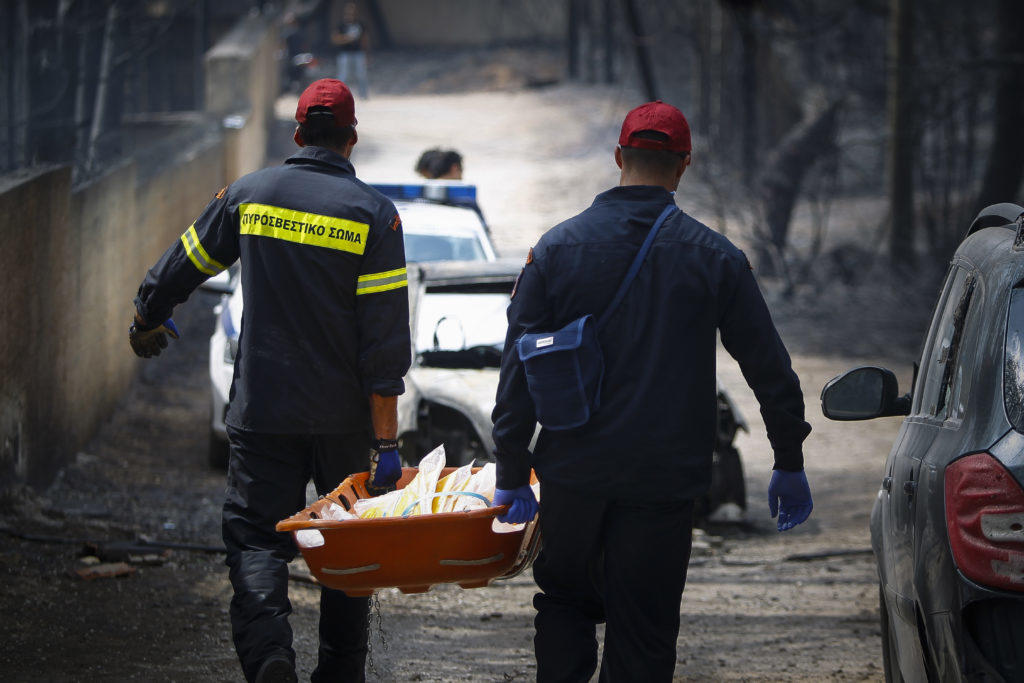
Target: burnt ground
<point>748,612</point>
<point>751,610</point>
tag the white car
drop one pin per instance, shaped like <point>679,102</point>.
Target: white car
<point>440,221</point>
<point>458,319</point>
<point>457,315</point>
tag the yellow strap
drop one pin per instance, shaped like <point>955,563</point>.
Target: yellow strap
<point>381,276</point>
<point>372,283</point>
<point>197,255</point>
<point>263,220</point>
<point>381,288</point>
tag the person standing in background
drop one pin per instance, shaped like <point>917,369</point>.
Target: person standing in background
<point>353,45</point>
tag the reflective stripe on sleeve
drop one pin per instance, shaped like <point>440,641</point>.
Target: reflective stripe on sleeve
<point>329,232</point>
<point>372,283</point>
<point>197,255</point>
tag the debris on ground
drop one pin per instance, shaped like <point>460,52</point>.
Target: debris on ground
<point>106,570</point>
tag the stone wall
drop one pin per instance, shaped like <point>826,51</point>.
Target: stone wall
<point>242,82</point>
<point>73,258</point>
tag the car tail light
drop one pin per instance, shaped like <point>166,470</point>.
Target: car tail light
<point>985,520</point>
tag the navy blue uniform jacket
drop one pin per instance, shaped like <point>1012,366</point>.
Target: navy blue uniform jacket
<point>654,434</point>
<point>326,315</point>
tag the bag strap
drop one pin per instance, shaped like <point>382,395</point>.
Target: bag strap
<point>635,268</point>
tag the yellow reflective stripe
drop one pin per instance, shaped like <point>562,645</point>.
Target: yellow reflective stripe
<point>381,282</point>
<point>215,265</point>
<point>382,288</point>
<point>300,227</point>
<point>196,255</point>
<point>381,276</point>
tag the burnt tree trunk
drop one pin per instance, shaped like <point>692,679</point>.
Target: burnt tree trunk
<point>608,24</point>
<point>778,186</point>
<point>1005,165</point>
<point>641,43</point>
<point>20,87</point>
<point>902,134</point>
<point>748,90</point>
<point>573,38</point>
<point>705,35</point>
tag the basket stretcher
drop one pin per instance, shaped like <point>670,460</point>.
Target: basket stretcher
<point>412,553</point>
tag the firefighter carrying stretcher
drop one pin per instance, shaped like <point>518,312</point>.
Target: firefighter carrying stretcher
<point>323,348</point>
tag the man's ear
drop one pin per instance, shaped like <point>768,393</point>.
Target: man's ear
<point>683,163</point>
<point>298,138</point>
<point>618,156</point>
<point>351,143</point>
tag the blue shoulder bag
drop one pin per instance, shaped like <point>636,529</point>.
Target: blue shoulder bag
<point>564,369</point>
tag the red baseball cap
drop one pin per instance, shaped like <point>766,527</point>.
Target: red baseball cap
<point>330,93</point>
<point>658,117</point>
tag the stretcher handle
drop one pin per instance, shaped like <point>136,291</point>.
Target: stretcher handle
<point>449,493</point>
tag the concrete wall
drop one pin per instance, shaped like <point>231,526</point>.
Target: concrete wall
<point>242,82</point>
<point>34,230</point>
<point>450,23</point>
<point>72,259</point>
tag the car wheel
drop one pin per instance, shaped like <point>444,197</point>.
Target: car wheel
<point>890,652</point>
<point>218,451</point>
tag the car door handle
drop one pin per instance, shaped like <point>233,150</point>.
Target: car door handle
<point>887,483</point>
<point>909,487</point>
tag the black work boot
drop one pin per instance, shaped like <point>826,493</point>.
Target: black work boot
<point>277,669</point>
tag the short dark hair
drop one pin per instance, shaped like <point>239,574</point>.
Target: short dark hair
<point>443,163</point>
<point>319,130</point>
<point>436,162</point>
<point>426,161</point>
<point>658,161</point>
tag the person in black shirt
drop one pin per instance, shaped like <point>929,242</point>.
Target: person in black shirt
<point>323,348</point>
<point>616,503</point>
<point>353,45</point>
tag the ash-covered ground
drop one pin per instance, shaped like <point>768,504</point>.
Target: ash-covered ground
<point>751,611</point>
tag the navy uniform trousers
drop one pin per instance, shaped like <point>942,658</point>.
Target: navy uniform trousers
<point>267,477</point>
<point>621,563</point>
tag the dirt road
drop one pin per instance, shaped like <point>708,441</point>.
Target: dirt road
<point>748,613</point>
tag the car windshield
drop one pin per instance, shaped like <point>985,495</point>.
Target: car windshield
<point>461,330</point>
<point>423,248</point>
<point>1013,365</point>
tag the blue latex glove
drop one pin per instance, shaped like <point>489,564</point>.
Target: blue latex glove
<point>147,343</point>
<point>522,505</point>
<point>385,470</point>
<point>789,496</point>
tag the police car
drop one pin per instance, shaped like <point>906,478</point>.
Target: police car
<point>441,221</point>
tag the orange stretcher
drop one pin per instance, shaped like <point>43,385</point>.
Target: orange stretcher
<point>413,553</point>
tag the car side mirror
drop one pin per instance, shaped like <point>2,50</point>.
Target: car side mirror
<point>863,394</point>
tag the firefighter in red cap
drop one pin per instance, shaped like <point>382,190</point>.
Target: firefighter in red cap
<point>323,348</point>
<point>622,454</point>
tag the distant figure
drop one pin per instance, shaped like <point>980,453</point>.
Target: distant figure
<point>440,164</point>
<point>352,43</point>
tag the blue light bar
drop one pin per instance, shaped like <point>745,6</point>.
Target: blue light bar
<point>456,193</point>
